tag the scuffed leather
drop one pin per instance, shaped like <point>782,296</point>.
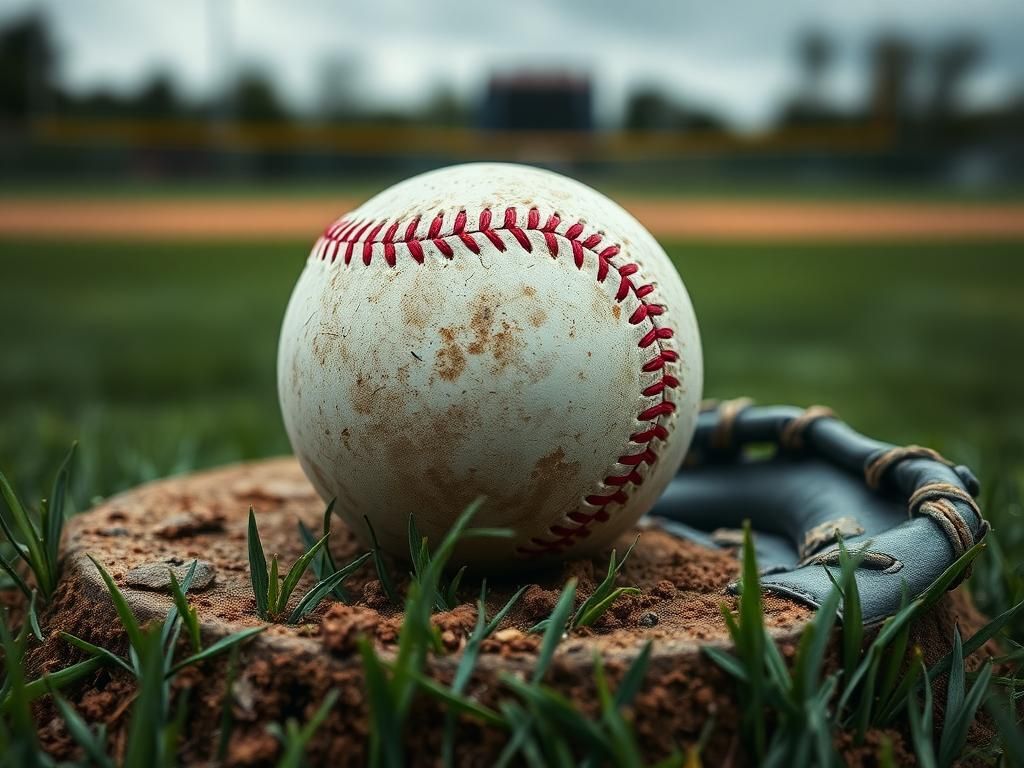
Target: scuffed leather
<point>788,494</point>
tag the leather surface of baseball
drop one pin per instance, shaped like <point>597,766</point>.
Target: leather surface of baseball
<point>493,330</point>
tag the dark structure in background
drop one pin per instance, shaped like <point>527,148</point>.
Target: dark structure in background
<point>537,102</point>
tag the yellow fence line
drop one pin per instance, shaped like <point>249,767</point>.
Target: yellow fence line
<point>390,139</point>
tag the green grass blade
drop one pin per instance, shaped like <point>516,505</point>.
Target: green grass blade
<point>978,639</point>
<point>896,654</point>
<point>58,501</point>
<point>921,728</point>
<point>224,644</point>
<point>40,686</point>
<point>175,610</point>
<point>274,588</point>
<point>12,572</point>
<point>601,592</point>
<point>853,623</point>
<point>810,661</point>
<point>144,745</point>
<point>633,679</point>
<point>296,571</point>
<point>29,539</point>
<point>501,614</point>
<point>451,594</point>
<point>383,574</point>
<point>480,633</point>
<point>417,548</point>
<point>186,611</point>
<point>18,709</point>
<point>1011,735</point>
<point>385,728</point>
<point>325,530</point>
<point>227,721</point>
<point>897,701</point>
<point>124,612</point>
<point>96,650</point>
<point>955,692</point>
<point>258,568</point>
<point>553,708</point>
<point>866,700</point>
<point>319,591</point>
<point>595,611</point>
<point>93,744</point>
<point>32,617</point>
<point>730,664</point>
<point>555,630</point>
<point>958,721</point>
<point>454,702</point>
<point>296,741</point>
<point>521,725</point>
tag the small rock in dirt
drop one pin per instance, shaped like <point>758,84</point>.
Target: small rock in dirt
<point>156,576</point>
<point>648,619</point>
<point>507,635</point>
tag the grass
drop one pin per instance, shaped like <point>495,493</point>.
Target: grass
<point>272,593</point>
<point>160,359</point>
<point>35,541</point>
<point>598,601</point>
<point>791,712</point>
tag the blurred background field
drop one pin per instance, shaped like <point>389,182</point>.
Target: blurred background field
<point>160,357</point>
<point>842,189</point>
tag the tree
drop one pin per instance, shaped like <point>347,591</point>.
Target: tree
<point>953,62</point>
<point>255,98</point>
<point>27,61</point>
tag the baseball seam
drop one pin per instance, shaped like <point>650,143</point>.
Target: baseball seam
<point>354,239</point>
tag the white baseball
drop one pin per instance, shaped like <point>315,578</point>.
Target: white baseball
<point>493,330</point>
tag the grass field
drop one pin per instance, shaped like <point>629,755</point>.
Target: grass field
<point>160,358</point>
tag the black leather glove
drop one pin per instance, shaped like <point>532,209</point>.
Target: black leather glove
<point>909,511</point>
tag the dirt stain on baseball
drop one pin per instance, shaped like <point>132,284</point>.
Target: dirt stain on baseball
<point>551,473</point>
<point>480,324</point>
<point>365,390</point>
<point>450,361</point>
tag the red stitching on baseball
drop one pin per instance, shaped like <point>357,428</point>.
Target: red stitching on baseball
<point>367,234</point>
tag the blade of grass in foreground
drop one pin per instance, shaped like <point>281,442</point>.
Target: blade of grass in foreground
<point>383,574</point>
<point>319,591</point>
<point>258,568</point>
<point>555,630</point>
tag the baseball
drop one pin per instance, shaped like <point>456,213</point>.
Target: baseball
<point>494,330</point>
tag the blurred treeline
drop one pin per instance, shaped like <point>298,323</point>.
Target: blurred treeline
<point>913,121</point>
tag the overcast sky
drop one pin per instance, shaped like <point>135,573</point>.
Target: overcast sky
<point>736,58</point>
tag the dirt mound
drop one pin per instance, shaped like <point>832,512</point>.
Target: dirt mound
<point>287,670</point>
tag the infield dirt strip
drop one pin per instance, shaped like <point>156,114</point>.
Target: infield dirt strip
<point>746,220</point>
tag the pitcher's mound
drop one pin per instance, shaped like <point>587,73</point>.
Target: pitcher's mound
<point>287,670</point>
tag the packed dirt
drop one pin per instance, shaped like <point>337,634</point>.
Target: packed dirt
<point>731,220</point>
<point>286,671</point>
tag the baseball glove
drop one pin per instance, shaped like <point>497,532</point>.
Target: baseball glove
<point>908,511</point>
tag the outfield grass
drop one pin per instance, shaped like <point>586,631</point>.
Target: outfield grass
<point>160,358</point>
<point>643,185</point>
